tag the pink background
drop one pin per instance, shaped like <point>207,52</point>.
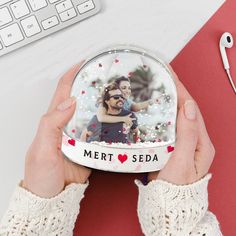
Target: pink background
<point>111,199</point>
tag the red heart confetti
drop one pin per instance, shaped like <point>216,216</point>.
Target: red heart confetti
<point>94,125</point>
<point>170,149</point>
<point>106,131</point>
<point>71,142</point>
<point>144,66</point>
<point>73,130</point>
<point>122,158</point>
<point>136,139</point>
<point>82,92</point>
<point>158,140</point>
<point>169,123</point>
<point>116,60</point>
<point>100,65</point>
<point>130,74</point>
<point>94,83</point>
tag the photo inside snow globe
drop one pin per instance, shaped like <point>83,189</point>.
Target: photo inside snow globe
<point>123,104</point>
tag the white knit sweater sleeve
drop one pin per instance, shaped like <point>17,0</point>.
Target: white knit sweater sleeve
<point>165,209</point>
<point>31,215</point>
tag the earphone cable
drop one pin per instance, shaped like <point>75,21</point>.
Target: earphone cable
<point>231,80</point>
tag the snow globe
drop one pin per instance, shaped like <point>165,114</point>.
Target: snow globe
<point>125,117</point>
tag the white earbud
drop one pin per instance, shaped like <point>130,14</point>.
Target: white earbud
<point>226,41</point>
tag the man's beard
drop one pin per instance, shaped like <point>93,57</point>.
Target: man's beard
<point>117,107</point>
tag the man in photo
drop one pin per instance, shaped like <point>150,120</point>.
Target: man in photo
<point>113,101</point>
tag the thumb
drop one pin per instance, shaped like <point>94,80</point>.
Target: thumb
<point>55,120</point>
<point>64,112</point>
<point>187,133</point>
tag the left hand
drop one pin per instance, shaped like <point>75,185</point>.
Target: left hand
<point>47,172</point>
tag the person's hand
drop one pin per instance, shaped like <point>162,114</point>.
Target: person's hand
<point>47,172</point>
<point>128,120</point>
<point>194,151</point>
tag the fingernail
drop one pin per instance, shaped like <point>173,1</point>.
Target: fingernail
<point>66,104</point>
<point>190,110</point>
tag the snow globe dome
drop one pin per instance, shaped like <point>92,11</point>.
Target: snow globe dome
<point>125,117</point>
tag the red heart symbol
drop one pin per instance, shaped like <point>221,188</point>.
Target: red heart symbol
<point>73,130</point>
<point>100,65</point>
<point>83,92</point>
<point>122,158</point>
<point>116,60</point>
<point>170,149</point>
<point>71,142</point>
<point>94,126</point>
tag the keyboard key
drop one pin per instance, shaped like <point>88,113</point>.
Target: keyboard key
<point>67,15</point>
<point>11,34</point>
<point>86,6</point>
<point>19,9</point>
<point>30,26</point>
<point>37,4</point>
<point>2,2</point>
<point>52,1</point>
<point>63,6</point>
<point>5,16</point>
<point>50,22</point>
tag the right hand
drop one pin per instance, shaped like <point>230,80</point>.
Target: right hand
<point>194,151</point>
<point>47,172</point>
<point>128,120</point>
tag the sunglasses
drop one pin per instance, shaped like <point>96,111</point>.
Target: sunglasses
<point>117,97</point>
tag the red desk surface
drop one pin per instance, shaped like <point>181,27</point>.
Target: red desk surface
<point>111,199</point>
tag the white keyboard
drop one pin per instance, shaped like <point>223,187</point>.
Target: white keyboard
<point>24,21</point>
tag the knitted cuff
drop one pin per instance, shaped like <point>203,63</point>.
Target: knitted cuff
<point>164,206</point>
<point>33,215</point>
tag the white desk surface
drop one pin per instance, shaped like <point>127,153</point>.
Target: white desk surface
<point>29,75</point>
